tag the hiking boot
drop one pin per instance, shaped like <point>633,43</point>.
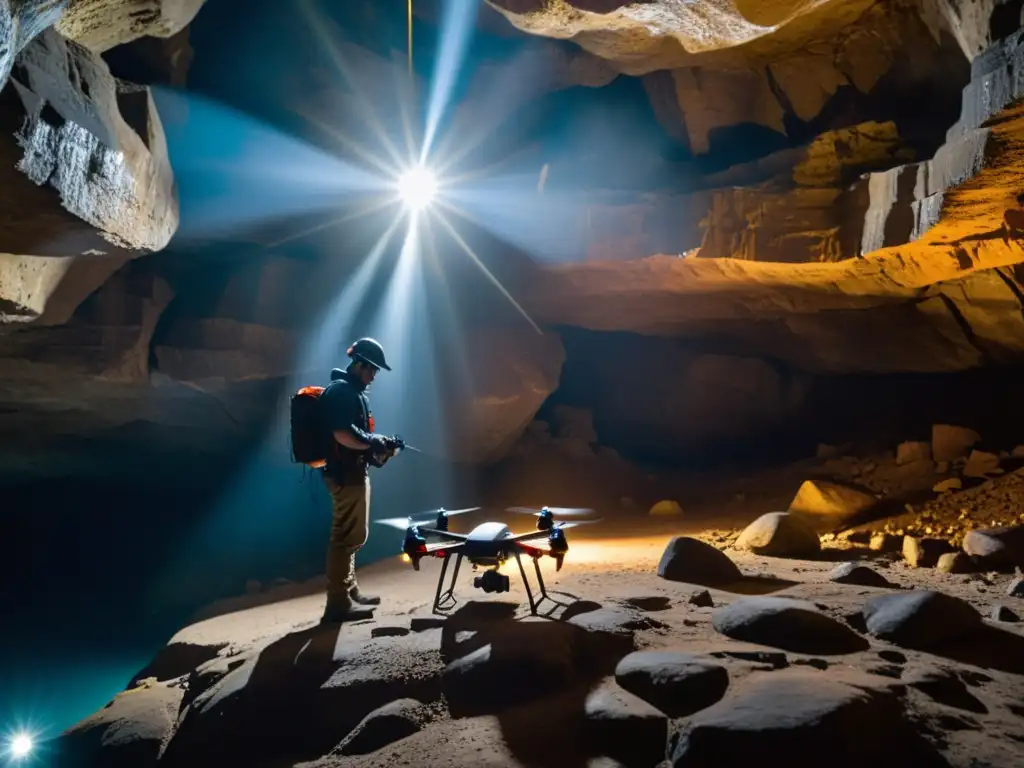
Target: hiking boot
<point>340,611</point>
<point>359,597</point>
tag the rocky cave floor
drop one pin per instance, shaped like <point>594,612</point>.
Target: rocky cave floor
<point>684,637</point>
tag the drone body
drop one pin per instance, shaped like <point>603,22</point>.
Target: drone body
<point>488,545</point>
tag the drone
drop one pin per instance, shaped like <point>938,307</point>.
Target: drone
<point>488,545</point>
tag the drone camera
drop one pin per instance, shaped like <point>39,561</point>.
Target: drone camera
<point>492,581</point>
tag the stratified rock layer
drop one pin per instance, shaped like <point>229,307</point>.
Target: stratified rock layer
<point>85,180</point>
<point>103,24</point>
<point>936,274</point>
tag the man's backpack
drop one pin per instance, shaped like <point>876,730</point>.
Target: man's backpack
<point>309,437</point>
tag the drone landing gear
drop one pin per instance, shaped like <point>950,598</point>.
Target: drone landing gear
<point>446,597</point>
<point>526,583</point>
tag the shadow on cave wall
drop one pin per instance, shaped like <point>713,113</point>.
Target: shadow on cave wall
<point>677,404</point>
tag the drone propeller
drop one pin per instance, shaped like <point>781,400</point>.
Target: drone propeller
<point>574,523</point>
<point>401,523</point>
<point>555,511</point>
<point>422,518</point>
<point>431,514</point>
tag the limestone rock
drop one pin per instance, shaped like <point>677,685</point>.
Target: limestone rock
<point>920,619</point>
<point>624,726</point>
<point>802,713</point>
<point>996,547</point>
<point>885,542</point>
<point>130,731</point>
<point>692,561</point>
<point>950,442</point>
<point>928,288</point>
<point>1017,452</point>
<point>792,625</point>
<point>103,24</point>
<point>512,373</point>
<point>394,721</point>
<point>1016,588</point>
<point>779,534</point>
<point>981,464</point>
<point>954,562</point>
<point>924,553</point>
<point>802,225</point>
<point>676,683</point>
<point>825,505</point>
<point>20,22</point>
<point>949,484</point>
<point>909,452</point>
<point>834,157</point>
<point>859,575</point>
<point>789,67</point>
<point>665,508</point>
<point>220,348</point>
<point>86,162</point>
<point>971,22</point>
<point>701,599</point>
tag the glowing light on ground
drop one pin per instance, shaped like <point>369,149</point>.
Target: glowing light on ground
<point>417,187</point>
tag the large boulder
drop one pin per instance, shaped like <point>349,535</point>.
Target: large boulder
<point>859,575</point>
<point>677,683</point>
<point>920,619</point>
<point>825,505</point>
<point>779,534</point>
<point>130,732</point>
<point>996,547</point>
<point>625,727</point>
<point>804,714</point>
<point>390,723</point>
<point>782,622</point>
<point>694,562</point>
<point>511,372</point>
<point>85,162</point>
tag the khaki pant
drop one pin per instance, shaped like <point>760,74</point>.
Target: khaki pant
<point>349,531</point>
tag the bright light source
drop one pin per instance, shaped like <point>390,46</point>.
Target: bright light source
<point>21,745</point>
<point>417,187</point>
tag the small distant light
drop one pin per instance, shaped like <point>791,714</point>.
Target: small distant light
<point>21,746</point>
<point>406,558</point>
<point>417,187</point>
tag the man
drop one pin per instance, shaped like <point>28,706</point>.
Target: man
<point>353,445</point>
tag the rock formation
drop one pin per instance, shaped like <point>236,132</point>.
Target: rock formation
<point>935,262</point>
<point>20,22</point>
<point>86,180</point>
<point>857,220</point>
<point>102,24</point>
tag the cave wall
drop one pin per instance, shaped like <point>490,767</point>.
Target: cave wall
<point>687,404</point>
<point>880,201</point>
